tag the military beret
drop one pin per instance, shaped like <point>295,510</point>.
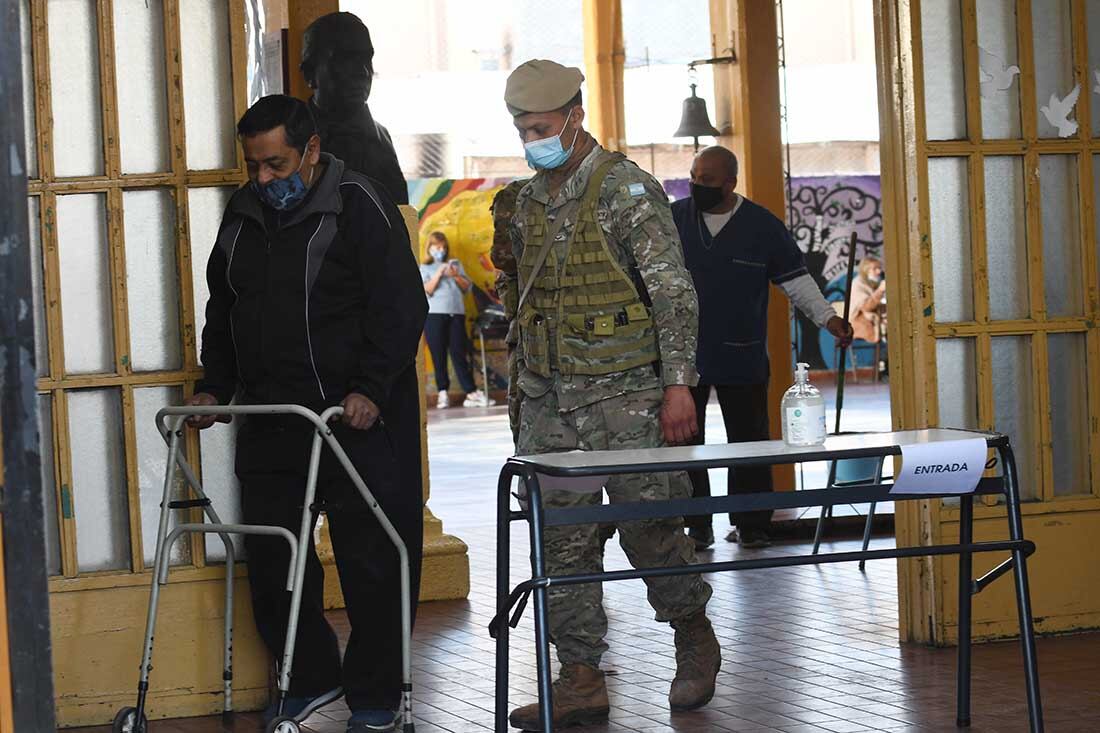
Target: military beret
<point>541,86</point>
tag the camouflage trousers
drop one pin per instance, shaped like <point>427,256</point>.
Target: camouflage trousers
<point>515,395</point>
<point>578,623</point>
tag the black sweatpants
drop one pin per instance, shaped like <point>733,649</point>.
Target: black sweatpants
<point>272,463</point>
<point>745,413</point>
<point>446,333</point>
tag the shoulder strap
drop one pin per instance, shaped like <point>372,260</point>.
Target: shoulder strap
<point>591,194</point>
<point>595,183</point>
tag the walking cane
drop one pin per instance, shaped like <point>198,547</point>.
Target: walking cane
<point>847,312</point>
<point>827,511</point>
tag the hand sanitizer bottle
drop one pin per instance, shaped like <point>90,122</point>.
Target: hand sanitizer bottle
<point>803,411</point>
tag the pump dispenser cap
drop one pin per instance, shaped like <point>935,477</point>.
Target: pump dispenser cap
<point>802,372</point>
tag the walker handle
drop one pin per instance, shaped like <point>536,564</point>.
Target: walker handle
<point>183,411</point>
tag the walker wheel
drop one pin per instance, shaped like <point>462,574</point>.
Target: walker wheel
<point>126,722</point>
<point>283,724</point>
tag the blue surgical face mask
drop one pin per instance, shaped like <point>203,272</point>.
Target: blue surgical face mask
<point>437,255</point>
<point>284,193</point>
<point>547,154</point>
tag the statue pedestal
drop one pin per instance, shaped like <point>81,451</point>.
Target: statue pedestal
<point>445,574</point>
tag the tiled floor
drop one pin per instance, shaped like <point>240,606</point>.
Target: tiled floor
<point>805,649</point>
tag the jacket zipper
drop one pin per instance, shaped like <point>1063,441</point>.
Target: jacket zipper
<point>267,293</point>
<point>232,328</point>
<point>309,338</point>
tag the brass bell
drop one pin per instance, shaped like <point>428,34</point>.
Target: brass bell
<point>695,122</point>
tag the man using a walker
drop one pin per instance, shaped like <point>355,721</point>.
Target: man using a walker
<point>316,300</point>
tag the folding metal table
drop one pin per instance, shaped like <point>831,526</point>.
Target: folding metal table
<point>512,601</point>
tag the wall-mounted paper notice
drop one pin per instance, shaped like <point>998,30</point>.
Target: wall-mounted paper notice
<point>952,467</point>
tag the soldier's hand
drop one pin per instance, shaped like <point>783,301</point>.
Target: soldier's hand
<point>204,399</point>
<point>678,415</point>
<point>359,411</point>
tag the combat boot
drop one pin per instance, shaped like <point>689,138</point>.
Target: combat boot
<point>698,658</point>
<point>580,698</point>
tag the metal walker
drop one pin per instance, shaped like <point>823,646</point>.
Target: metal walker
<point>133,719</point>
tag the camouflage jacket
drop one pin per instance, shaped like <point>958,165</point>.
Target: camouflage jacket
<point>636,220</point>
<point>501,254</point>
<point>503,209</point>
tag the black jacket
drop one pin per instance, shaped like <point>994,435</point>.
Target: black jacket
<point>365,147</point>
<point>311,304</point>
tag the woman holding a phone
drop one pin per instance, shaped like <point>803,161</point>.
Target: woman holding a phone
<point>445,283</point>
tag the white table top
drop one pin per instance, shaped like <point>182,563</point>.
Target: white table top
<point>838,446</point>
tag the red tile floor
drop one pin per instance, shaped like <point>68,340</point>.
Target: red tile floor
<point>804,649</point>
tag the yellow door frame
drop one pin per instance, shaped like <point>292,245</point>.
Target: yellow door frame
<point>98,618</point>
<point>749,29</point>
<point>604,57</point>
<point>1066,586</point>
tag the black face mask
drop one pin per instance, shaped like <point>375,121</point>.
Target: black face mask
<point>706,197</point>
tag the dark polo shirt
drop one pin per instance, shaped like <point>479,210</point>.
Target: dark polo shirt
<point>732,271</point>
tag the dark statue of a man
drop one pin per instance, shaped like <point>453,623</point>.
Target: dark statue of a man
<point>338,65</point>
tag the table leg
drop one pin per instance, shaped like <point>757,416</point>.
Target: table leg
<point>504,536</point>
<point>1023,596</point>
<point>826,511</point>
<point>484,364</point>
<point>867,533</point>
<point>870,516</point>
<point>542,610</point>
<point>962,680</point>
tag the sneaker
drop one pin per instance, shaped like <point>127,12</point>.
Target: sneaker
<point>477,398</point>
<point>750,539</point>
<point>372,720</point>
<point>703,537</point>
<point>443,401</point>
<point>301,708</point>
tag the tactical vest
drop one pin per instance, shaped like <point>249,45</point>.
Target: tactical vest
<point>583,314</point>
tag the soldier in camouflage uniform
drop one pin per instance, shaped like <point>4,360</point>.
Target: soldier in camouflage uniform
<point>606,319</point>
<point>504,259</point>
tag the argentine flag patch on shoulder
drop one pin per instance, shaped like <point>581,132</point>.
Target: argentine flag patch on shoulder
<point>636,189</point>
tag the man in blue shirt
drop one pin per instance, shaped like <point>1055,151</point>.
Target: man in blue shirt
<point>734,249</point>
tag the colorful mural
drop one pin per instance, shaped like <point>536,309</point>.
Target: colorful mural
<point>460,209</point>
<point>824,211</point>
